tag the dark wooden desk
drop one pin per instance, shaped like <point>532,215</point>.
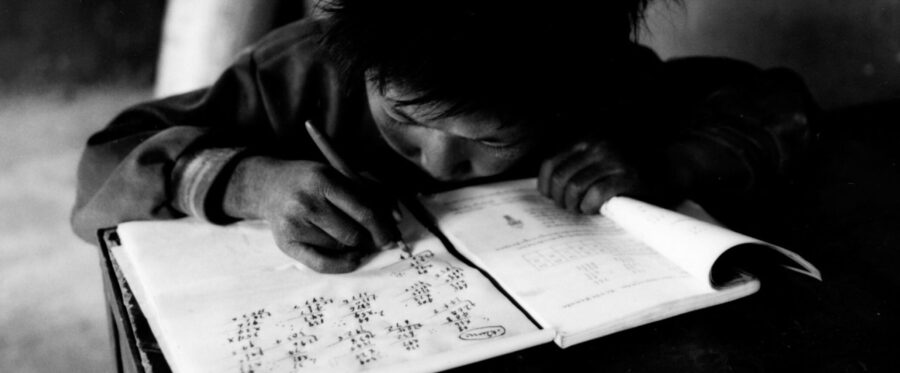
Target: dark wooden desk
<point>134,347</point>
<point>843,214</point>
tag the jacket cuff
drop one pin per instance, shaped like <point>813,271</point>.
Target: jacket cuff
<point>199,181</point>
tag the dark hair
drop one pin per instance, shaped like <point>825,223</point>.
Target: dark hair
<point>513,59</point>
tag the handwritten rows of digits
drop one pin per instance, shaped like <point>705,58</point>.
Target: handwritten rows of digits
<point>359,328</point>
<point>457,313</point>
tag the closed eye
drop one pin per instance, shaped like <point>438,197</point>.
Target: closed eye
<point>399,116</point>
<point>497,143</point>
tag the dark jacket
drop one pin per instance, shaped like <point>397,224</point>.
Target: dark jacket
<point>169,158</point>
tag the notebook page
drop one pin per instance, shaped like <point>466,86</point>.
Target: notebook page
<point>694,244</point>
<point>225,299</point>
<point>573,273</point>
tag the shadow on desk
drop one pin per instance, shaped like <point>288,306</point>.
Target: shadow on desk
<point>842,213</point>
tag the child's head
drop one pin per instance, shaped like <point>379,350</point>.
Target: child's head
<point>490,73</point>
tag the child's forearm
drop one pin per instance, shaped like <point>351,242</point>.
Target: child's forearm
<point>744,129</point>
<point>697,169</point>
<point>746,143</point>
<point>123,176</point>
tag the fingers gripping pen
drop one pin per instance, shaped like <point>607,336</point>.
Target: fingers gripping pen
<point>338,163</point>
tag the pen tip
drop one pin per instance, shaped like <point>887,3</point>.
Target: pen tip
<point>397,245</point>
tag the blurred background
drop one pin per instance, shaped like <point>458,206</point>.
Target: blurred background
<point>67,67</point>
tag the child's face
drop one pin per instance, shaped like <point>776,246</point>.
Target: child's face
<point>453,148</point>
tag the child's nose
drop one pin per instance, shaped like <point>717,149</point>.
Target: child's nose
<point>444,157</point>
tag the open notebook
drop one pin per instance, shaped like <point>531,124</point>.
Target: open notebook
<point>226,299</point>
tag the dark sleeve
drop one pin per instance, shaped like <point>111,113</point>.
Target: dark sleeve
<point>164,159</point>
<point>739,132</point>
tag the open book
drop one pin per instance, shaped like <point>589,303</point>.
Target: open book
<point>226,299</point>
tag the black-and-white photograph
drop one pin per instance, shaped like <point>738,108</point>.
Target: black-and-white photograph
<point>274,186</point>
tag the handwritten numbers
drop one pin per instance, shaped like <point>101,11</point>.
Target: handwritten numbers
<point>369,326</point>
<point>420,293</point>
<point>245,340</point>
<point>312,310</point>
<point>405,332</point>
<point>421,263</point>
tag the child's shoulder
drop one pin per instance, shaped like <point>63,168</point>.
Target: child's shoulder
<point>302,36</point>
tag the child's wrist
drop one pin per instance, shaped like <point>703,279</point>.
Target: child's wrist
<point>244,194</point>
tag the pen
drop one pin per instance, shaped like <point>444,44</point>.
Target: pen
<point>338,163</point>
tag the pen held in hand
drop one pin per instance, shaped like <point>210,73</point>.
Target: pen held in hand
<point>338,163</point>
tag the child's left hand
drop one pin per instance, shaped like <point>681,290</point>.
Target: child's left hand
<point>582,177</point>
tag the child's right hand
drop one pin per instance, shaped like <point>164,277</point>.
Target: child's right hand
<point>318,216</point>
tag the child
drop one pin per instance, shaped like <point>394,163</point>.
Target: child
<point>427,94</point>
